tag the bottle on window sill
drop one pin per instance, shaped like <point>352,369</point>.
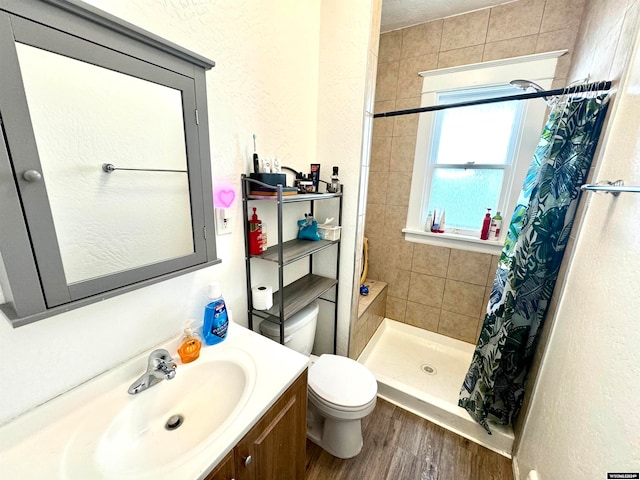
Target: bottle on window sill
<point>496,225</point>
<point>441,222</point>
<point>435,225</point>
<point>429,223</point>
<point>486,225</point>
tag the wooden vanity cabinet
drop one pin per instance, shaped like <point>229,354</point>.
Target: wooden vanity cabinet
<point>275,448</point>
<point>226,469</point>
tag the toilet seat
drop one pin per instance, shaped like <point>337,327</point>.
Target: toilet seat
<point>341,383</point>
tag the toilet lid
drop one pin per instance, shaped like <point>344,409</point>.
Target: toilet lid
<point>342,381</point>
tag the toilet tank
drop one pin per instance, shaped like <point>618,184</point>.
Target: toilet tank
<point>299,329</point>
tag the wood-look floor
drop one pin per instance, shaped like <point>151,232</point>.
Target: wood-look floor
<point>399,445</point>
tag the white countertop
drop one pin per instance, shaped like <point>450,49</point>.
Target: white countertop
<point>36,444</point>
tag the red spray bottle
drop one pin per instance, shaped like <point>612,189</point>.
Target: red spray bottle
<point>255,234</point>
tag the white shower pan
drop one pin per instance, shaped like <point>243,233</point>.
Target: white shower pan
<point>422,372</point>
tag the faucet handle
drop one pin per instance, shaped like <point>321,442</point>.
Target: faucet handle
<point>161,360</point>
<point>169,369</point>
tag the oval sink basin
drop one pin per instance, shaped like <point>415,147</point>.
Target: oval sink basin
<point>143,434</point>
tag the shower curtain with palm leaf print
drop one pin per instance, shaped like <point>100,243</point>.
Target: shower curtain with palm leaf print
<point>494,386</point>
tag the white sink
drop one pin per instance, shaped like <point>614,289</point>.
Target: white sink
<point>99,431</point>
<point>135,440</point>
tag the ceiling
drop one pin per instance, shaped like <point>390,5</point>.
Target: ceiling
<point>404,13</point>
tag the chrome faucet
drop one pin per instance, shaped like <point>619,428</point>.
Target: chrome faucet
<point>160,366</point>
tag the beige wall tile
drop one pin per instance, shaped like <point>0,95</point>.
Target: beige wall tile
<point>402,154</point>
<point>360,341</point>
<point>463,298</point>
<point>515,19</point>
<point>406,125</point>
<point>563,66</point>
<point>376,253</point>
<point>426,290</point>
<point>465,30</point>
<point>398,189</point>
<point>384,106</point>
<point>395,219</point>
<point>375,220</point>
<point>398,252</point>
<point>377,187</point>
<point>470,267</point>
<point>560,14</point>
<point>360,323</point>
<point>514,47</point>
<point>380,304</point>
<point>556,40</point>
<point>387,81</point>
<point>396,308</point>
<point>409,82</point>
<point>380,154</point>
<point>430,260</point>
<point>398,281</point>
<point>383,127</point>
<point>460,56</point>
<point>458,326</point>
<point>493,267</point>
<point>372,325</point>
<point>375,270</point>
<point>421,39</point>
<point>422,316</point>
<point>390,46</point>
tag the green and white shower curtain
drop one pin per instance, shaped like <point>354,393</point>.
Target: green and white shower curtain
<point>494,386</point>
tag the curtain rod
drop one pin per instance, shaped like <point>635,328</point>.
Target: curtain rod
<point>590,87</point>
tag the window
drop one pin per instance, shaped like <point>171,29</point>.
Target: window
<point>468,159</point>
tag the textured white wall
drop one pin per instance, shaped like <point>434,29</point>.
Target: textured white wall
<point>583,419</point>
<point>265,82</point>
<point>345,92</point>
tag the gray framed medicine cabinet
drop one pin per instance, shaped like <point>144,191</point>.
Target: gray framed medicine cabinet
<point>105,174</point>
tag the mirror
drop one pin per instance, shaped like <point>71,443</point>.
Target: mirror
<point>105,175</point>
<point>87,116</point>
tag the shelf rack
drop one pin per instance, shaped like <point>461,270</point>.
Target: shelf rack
<point>290,299</point>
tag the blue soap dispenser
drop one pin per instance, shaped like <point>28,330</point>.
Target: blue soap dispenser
<point>216,320</point>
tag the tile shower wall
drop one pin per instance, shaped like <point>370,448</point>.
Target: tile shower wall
<point>441,289</point>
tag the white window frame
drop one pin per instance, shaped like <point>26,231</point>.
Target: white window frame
<point>539,68</point>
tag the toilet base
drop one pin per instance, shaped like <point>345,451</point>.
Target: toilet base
<point>340,438</point>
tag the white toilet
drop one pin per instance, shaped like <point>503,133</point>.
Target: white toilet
<point>341,391</point>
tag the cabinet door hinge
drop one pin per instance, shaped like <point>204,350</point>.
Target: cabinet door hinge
<point>204,232</point>
<point>197,118</point>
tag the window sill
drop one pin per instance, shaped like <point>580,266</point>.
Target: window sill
<point>452,240</point>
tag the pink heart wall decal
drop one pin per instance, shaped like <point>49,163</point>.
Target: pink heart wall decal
<point>224,195</point>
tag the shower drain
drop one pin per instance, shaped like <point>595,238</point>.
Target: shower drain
<point>428,369</point>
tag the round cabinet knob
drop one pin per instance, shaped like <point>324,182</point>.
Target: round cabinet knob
<point>32,176</point>
<point>247,461</point>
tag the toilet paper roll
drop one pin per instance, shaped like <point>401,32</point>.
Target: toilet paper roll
<point>262,297</point>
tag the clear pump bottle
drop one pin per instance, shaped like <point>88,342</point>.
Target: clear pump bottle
<point>190,344</point>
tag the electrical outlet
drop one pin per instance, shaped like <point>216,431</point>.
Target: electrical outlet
<point>224,221</point>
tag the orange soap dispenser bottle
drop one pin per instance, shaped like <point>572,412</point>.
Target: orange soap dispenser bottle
<point>190,344</point>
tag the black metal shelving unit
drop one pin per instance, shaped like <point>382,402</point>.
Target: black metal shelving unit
<point>290,299</point>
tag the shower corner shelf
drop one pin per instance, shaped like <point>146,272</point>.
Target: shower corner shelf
<point>293,297</point>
